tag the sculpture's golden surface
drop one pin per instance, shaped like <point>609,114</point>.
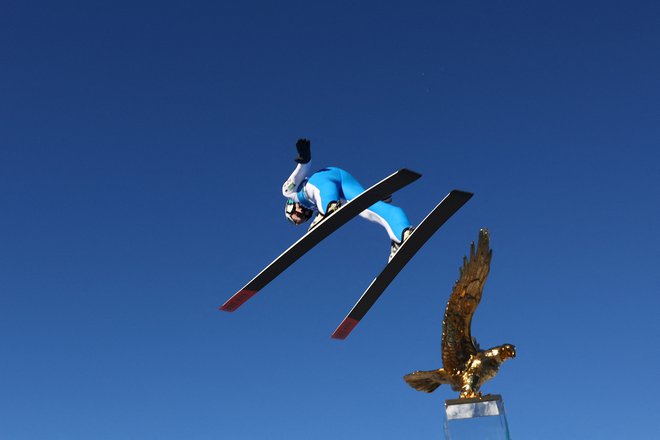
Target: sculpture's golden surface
<point>466,367</point>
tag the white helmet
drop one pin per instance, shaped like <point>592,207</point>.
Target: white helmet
<point>290,208</point>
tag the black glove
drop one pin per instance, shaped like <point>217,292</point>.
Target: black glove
<point>304,152</point>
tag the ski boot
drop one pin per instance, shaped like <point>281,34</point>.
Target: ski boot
<point>394,246</point>
<point>332,207</point>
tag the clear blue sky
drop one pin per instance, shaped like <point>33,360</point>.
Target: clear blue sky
<point>142,150</point>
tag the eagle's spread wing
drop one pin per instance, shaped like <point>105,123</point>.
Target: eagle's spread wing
<point>457,342</point>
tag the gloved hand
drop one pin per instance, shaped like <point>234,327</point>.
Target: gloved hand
<point>304,152</point>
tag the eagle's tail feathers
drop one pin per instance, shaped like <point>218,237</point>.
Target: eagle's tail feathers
<point>426,381</point>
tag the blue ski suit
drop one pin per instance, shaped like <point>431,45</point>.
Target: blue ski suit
<point>316,190</point>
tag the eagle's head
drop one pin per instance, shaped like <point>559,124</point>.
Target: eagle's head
<point>504,352</point>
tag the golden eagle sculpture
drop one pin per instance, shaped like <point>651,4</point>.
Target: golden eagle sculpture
<point>465,367</point>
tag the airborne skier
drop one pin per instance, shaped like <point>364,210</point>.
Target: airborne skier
<point>324,191</point>
<point>338,197</point>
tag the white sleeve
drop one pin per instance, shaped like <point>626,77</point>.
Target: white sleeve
<point>290,187</point>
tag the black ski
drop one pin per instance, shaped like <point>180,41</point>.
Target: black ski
<point>440,214</point>
<point>334,221</point>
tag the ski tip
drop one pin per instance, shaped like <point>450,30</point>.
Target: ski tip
<point>237,300</point>
<point>345,328</point>
<point>413,174</point>
<point>466,194</point>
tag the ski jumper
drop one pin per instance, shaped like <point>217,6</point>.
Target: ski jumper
<point>317,190</point>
